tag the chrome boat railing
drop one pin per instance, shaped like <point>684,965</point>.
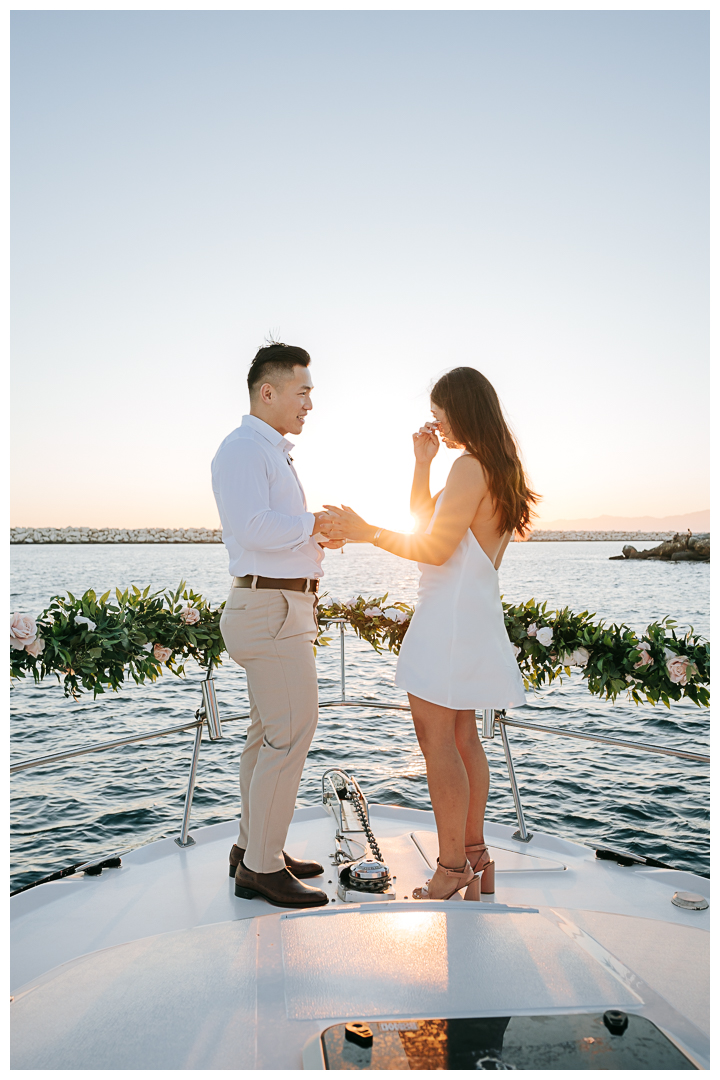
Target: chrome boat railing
<point>209,714</point>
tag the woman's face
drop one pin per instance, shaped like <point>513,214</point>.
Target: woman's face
<point>443,427</point>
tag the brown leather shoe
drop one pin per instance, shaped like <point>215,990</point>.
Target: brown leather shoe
<point>297,867</point>
<point>280,888</point>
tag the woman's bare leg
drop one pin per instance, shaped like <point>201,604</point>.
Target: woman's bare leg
<point>447,777</point>
<point>471,751</point>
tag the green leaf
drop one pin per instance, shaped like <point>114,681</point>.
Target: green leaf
<point>142,617</point>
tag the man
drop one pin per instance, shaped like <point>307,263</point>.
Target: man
<point>269,624</point>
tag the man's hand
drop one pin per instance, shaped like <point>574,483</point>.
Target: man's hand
<point>321,518</point>
<point>323,522</point>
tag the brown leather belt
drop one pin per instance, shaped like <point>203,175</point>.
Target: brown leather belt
<point>297,584</point>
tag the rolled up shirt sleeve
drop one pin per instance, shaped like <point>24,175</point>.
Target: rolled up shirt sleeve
<point>242,486</point>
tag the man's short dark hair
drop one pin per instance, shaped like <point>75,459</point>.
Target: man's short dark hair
<point>273,360</point>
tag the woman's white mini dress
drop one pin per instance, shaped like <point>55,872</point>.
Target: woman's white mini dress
<point>456,651</point>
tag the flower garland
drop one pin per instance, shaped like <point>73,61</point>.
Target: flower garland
<point>659,666</point>
<point>93,644</point>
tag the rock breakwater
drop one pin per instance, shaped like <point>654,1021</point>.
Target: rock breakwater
<point>683,547</point>
<point>115,536</point>
<point>84,535</point>
<point>549,534</point>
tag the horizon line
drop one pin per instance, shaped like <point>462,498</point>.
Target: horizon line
<point>539,522</point>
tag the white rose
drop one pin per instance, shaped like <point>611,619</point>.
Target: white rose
<point>147,646</point>
<point>545,635</point>
<point>395,614</point>
<point>579,657</point>
<point>373,612</point>
<point>23,630</point>
<point>35,647</point>
<point>532,629</point>
<point>516,650</point>
<point>645,657</point>
<point>85,622</point>
<point>352,601</point>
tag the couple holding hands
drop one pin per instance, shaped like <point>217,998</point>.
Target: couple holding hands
<point>456,657</point>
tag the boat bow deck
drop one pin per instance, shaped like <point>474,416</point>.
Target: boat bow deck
<point>158,965</point>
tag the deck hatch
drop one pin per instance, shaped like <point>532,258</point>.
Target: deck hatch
<point>507,860</point>
<point>569,1041</point>
<point>438,962</point>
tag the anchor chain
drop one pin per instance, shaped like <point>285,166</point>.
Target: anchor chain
<point>354,798</point>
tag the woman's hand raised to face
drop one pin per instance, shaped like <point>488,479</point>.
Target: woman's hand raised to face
<point>426,443</point>
<point>345,523</point>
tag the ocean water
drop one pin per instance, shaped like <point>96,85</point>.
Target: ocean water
<point>90,806</point>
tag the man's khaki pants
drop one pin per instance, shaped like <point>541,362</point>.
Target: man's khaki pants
<point>270,632</point>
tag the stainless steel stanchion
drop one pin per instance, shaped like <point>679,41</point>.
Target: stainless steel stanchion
<point>211,709</point>
<point>184,839</point>
<point>521,833</point>
<point>488,723</point>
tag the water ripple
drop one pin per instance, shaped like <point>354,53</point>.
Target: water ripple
<point>80,809</point>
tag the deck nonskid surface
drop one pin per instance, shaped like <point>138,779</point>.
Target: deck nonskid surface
<point>158,965</point>
<point>251,993</point>
<point>161,888</point>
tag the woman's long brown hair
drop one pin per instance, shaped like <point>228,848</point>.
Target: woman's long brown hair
<point>476,418</point>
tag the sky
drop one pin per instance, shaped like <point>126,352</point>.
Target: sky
<point>400,193</point>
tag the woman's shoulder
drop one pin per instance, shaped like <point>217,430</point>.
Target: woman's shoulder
<point>467,470</point>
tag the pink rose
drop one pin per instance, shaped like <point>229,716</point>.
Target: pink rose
<point>190,616</point>
<point>35,647</point>
<point>645,657</point>
<point>373,612</point>
<point>162,654</point>
<point>677,669</point>
<point>532,629</point>
<point>23,630</point>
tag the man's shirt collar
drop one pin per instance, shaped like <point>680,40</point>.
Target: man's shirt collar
<point>274,437</point>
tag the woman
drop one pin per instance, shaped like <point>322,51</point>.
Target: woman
<point>456,657</point>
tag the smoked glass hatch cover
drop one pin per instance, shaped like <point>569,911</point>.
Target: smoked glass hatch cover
<point>577,1041</point>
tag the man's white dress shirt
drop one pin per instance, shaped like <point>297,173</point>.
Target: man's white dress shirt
<point>267,528</point>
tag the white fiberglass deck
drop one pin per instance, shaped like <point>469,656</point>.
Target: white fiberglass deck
<point>158,965</point>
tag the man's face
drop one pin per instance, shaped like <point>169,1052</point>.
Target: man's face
<point>285,406</point>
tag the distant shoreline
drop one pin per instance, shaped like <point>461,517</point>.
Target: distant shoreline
<point>214,536</point>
